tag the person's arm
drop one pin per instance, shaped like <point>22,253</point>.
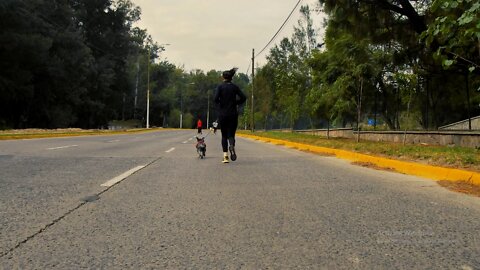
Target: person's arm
<point>242,96</point>
<point>217,95</point>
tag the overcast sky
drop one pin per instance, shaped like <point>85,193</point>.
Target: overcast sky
<point>217,34</point>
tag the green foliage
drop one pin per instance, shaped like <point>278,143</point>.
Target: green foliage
<point>368,43</point>
<point>282,85</point>
<point>66,63</point>
<point>456,29</point>
<point>460,157</point>
<point>174,118</point>
<point>414,64</point>
<point>189,121</point>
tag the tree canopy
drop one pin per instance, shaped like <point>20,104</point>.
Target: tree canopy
<point>68,63</point>
<point>398,64</point>
<point>379,64</point>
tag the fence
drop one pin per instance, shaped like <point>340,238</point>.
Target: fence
<point>449,138</point>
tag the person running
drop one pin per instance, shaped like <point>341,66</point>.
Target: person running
<point>226,99</point>
<point>199,126</point>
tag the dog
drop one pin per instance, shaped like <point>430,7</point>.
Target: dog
<point>201,147</point>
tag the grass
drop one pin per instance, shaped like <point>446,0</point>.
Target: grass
<point>54,133</point>
<point>445,156</point>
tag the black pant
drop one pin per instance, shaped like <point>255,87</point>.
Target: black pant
<point>228,126</point>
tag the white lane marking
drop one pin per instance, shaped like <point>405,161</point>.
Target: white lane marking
<point>122,176</point>
<point>62,147</point>
<point>170,150</point>
<point>112,141</point>
<point>185,142</point>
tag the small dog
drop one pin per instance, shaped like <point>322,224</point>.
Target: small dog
<point>201,147</point>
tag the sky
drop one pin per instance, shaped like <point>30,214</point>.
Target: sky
<point>217,34</point>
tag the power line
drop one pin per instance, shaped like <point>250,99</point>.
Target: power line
<point>280,29</point>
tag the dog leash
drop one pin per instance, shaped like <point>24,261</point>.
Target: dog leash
<point>209,131</point>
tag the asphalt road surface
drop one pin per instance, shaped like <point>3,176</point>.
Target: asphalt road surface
<point>64,205</point>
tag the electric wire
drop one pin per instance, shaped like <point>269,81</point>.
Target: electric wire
<point>280,29</point>
<point>248,69</point>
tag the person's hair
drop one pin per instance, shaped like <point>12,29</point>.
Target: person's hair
<point>228,74</point>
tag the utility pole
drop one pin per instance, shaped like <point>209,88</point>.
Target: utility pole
<point>253,87</point>
<point>181,108</point>
<point>148,90</point>
<point>208,108</point>
<point>148,80</point>
<point>136,91</point>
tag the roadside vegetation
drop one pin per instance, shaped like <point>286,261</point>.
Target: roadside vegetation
<point>379,64</point>
<point>445,156</point>
<point>397,64</point>
<point>70,132</point>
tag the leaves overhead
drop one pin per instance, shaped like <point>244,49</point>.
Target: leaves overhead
<point>403,63</point>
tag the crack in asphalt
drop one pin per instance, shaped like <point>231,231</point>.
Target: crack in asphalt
<point>55,221</point>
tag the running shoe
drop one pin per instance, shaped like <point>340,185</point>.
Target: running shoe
<point>233,155</point>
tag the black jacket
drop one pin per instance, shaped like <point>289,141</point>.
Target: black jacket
<point>226,99</point>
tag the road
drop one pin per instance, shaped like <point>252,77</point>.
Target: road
<point>273,208</point>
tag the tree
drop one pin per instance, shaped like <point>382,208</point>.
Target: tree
<point>265,94</point>
<point>393,30</point>
<point>291,73</point>
<point>44,61</point>
<point>457,31</point>
<point>106,26</point>
<point>65,63</point>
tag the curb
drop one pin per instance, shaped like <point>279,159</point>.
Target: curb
<point>29,136</point>
<point>410,168</point>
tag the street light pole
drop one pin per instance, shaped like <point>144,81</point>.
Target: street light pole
<point>181,105</point>
<point>148,82</point>
<point>253,89</point>
<point>148,90</point>
<point>181,108</point>
<point>136,91</point>
<point>208,107</point>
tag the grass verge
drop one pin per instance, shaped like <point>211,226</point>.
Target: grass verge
<point>444,156</point>
<point>54,133</point>
<point>435,157</point>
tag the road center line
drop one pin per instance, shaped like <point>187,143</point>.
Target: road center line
<point>62,147</point>
<point>112,141</point>
<point>170,150</point>
<point>122,176</point>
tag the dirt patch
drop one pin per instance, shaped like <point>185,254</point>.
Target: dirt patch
<point>461,186</point>
<point>373,166</point>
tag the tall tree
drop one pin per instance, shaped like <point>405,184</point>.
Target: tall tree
<point>106,26</point>
<point>291,75</point>
<point>44,61</point>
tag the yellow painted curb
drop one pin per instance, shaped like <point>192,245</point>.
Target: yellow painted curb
<point>411,168</point>
<point>46,135</point>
